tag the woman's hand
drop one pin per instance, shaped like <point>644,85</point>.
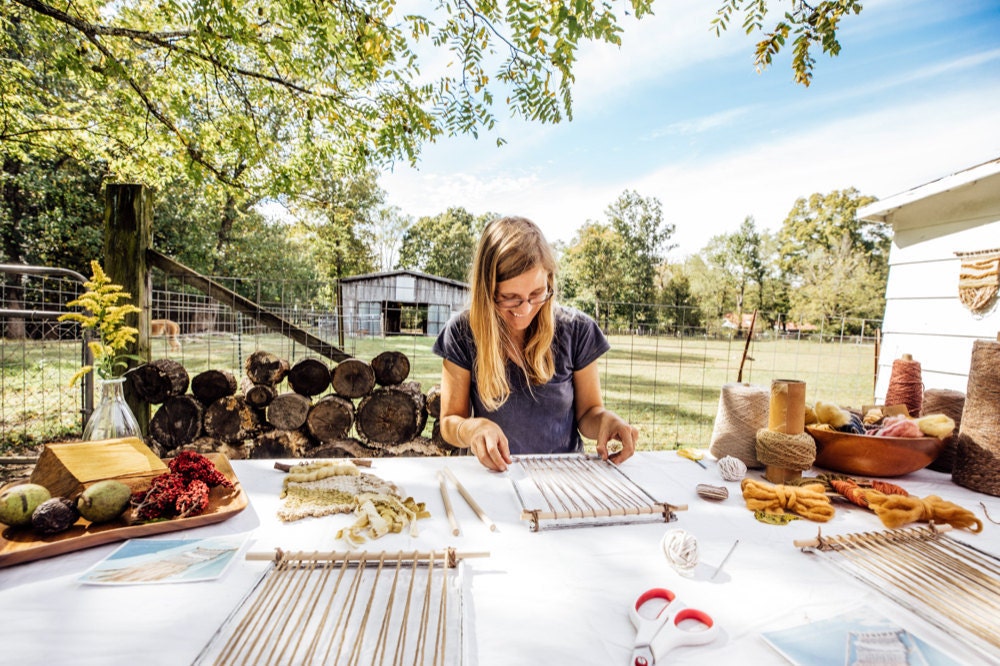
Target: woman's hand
<point>487,442</point>
<point>613,427</point>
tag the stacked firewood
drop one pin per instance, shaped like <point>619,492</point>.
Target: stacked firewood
<point>355,409</point>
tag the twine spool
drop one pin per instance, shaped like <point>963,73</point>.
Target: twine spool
<point>782,446</point>
<point>950,403</point>
<point>905,385</point>
<point>977,452</point>
<point>742,412</point>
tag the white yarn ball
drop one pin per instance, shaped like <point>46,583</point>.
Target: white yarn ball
<point>732,469</point>
<point>681,550</point>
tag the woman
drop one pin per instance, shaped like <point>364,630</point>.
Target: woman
<point>520,372</point>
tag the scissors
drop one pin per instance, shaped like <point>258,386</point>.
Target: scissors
<point>657,635</point>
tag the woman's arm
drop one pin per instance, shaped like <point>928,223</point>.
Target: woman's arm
<point>597,422</point>
<point>483,437</point>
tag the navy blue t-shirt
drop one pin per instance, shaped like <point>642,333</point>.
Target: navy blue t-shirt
<point>536,419</point>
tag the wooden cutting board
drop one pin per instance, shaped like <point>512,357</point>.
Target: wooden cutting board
<point>22,544</point>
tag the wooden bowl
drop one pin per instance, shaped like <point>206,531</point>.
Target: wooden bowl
<point>871,455</point>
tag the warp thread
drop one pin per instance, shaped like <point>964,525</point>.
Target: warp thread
<point>898,510</point>
<point>977,453</point>
<point>741,413</point>
<point>905,385</point>
<point>950,403</point>
<point>780,449</point>
<point>808,501</point>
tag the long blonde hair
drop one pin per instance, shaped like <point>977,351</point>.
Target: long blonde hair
<point>509,246</point>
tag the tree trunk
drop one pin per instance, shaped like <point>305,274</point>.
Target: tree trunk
<point>331,418</point>
<point>391,367</point>
<point>265,368</point>
<point>434,402</point>
<point>258,396</point>
<point>210,385</point>
<point>344,448</point>
<point>158,380</point>
<point>353,378</point>
<point>309,377</point>
<point>391,415</point>
<point>288,411</point>
<point>177,422</point>
<point>212,445</point>
<point>280,444</point>
<point>230,419</point>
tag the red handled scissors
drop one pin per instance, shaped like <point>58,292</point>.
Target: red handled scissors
<point>657,635</point>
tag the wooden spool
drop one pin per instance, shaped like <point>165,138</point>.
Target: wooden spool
<point>309,377</point>
<point>331,418</point>
<point>263,367</point>
<point>390,368</point>
<point>230,419</point>
<point>158,380</point>
<point>391,415</point>
<point>211,385</point>
<point>177,422</point>
<point>787,414</point>
<point>353,378</point>
<point>288,411</point>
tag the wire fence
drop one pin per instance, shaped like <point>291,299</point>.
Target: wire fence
<point>663,373</point>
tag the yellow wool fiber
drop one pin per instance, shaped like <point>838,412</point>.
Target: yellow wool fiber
<point>829,413</point>
<point>936,425</point>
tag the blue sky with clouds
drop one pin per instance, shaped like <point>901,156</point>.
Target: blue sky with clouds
<point>681,115</point>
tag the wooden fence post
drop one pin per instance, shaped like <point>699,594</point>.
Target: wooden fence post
<point>128,233</point>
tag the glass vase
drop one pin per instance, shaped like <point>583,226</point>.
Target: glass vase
<point>112,417</point>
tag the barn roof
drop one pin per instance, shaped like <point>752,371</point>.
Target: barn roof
<point>417,274</point>
<point>987,173</point>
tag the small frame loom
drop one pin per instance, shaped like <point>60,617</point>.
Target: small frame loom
<point>949,583</point>
<point>577,490</point>
<point>332,608</point>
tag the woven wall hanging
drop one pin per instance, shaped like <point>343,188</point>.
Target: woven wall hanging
<point>979,279</point>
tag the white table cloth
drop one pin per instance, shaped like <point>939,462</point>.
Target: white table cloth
<point>551,597</point>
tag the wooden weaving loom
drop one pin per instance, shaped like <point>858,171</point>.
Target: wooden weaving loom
<point>576,490</point>
<point>950,584</point>
<point>332,608</point>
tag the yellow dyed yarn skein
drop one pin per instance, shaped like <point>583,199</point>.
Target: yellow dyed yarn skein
<point>898,510</point>
<point>809,501</point>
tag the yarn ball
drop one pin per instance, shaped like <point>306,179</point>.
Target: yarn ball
<point>710,492</point>
<point>732,469</point>
<point>681,550</point>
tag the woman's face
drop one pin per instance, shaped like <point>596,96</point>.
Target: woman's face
<point>531,285</point>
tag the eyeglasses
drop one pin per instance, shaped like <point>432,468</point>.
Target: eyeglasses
<point>514,303</point>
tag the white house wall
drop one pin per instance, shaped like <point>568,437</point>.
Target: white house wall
<point>923,316</point>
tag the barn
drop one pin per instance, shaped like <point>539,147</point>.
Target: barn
<point>943,274</point>
<point>403,302</point>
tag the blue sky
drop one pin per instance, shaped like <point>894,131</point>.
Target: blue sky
<point>681,115</point>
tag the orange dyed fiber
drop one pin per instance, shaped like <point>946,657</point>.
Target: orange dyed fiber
<point>897,510</point>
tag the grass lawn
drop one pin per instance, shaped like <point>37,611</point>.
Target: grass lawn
<point>667,386</point>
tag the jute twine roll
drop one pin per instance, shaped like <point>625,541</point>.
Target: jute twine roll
<point>742,412</point>
<point>783,446</point>
<point>906,385</point>
<point>977,452</point>
<point>950,403</point>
